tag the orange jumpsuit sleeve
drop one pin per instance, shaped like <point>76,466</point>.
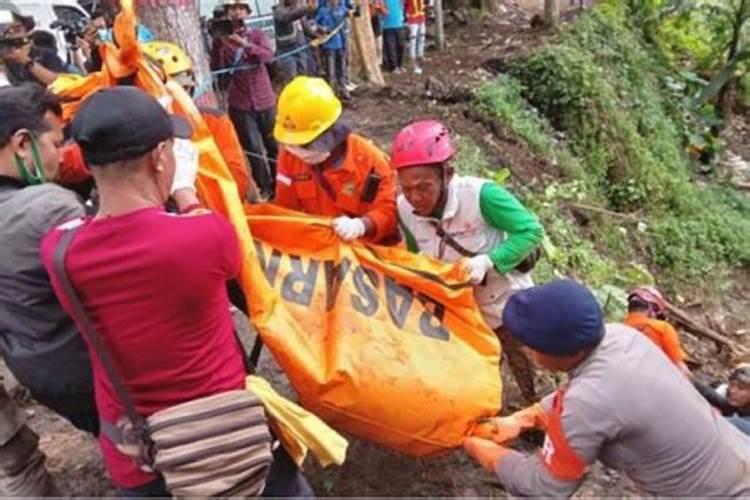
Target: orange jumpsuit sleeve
<point>73,169</point>
<point>671,343</point>
<point>383,212</point>
<point>286,195</point>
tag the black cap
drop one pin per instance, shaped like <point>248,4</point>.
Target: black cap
<point>121,123</point>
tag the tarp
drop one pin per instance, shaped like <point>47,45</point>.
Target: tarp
<point>298,429</point>
<point>383,344</point>
<point>379,342</point>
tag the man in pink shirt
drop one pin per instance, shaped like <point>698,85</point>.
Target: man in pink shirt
<point>153,283</point>
<point>251,99</point>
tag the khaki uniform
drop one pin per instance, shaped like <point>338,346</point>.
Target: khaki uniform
<point>628,406</point>
<point>22,471</point>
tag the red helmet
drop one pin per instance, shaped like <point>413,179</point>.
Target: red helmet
<point>426,142</point>
<point>650,296</point>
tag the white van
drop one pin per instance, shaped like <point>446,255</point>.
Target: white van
<point>46,12</point>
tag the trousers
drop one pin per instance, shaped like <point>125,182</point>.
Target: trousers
<point>22,470</point>
<point>416,40</point>
<point>519,364</point>
<point>336,69</point>
<point>393,48</point>
<point>255,131</point>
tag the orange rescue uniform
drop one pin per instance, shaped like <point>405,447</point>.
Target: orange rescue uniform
<point>415,11</point>
<point>661,333</point>
<point>298,187</point>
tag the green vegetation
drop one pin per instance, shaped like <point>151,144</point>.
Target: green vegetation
<point>612,111</point>
<point>711,37</point>
<point>473,162</point>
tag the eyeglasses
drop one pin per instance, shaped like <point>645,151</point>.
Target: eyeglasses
<point>15,42</point>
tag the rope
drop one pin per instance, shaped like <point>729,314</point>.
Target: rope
<point>262,157</point>
<point>202,89</point>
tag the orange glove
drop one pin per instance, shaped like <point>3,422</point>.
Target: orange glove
<point>504,429</point>
<point>487,453</point>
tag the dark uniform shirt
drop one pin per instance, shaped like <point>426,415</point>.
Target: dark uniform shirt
<point>18,74</point>
<point>38,341</point>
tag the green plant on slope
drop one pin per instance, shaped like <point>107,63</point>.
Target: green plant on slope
<point>608,95</point>
<point>471,160</point>
<point>501,100</point>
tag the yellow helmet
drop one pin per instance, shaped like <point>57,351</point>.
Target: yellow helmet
<point>170,56</point>
<point>307,108</point>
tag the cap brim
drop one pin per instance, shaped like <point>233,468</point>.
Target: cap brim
<point>284,136</point>
<point>332,137</point>
<point>182,128</point>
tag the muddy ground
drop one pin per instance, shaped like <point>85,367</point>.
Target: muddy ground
<point>73,457</point>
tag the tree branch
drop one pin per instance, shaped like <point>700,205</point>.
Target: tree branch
<point>721,78</point>
<point>684,320</point>
<point>599,210</point>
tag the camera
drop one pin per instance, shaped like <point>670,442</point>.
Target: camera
<point>72,29</point>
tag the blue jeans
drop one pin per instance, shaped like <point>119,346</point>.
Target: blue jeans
<point>285,479</point>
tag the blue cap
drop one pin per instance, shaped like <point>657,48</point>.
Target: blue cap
<point>559,318</point>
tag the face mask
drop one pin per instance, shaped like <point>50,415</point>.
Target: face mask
<point>309,156</point>
<point>31,176</point>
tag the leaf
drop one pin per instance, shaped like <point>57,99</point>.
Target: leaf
<point>550,250</point>
<point>697,140</point>
<point>501,175</point>
<point>637,273</point>
<point>614,301</point>
<point>692,77</point>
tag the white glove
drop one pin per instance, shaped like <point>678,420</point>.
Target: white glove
<point>348,228</point>
<point>478,266</point>
<point>186,160</point>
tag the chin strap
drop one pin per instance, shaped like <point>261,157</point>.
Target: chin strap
<point>29,177</point>
<point>437,213</point>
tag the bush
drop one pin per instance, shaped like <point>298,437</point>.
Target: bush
<point>608,108</point>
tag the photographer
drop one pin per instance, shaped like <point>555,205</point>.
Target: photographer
<point>86,49</point>
<point>23,62</point>
<point>44,41</point>
<point>250,95</point>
